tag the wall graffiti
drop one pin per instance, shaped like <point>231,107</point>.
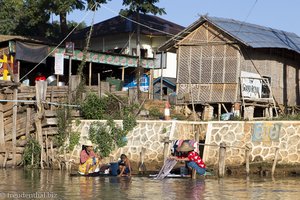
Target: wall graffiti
<point>266,132</point>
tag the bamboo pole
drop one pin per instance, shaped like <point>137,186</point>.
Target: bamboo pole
<point>222,152</point>
<point>275,160</point>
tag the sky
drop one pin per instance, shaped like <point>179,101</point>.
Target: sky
<point>277,14</point>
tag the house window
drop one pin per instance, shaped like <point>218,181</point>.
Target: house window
<point>265,91</point>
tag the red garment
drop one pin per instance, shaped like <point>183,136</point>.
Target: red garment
<point>194,156</point>
<point>84,156</point>
<point>40,78</point>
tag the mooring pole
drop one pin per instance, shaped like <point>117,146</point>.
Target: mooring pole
<point>222,152</point>
<point>275,160</point>
<point>247,158</point>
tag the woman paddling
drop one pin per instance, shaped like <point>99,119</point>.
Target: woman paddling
<point>89,160</point>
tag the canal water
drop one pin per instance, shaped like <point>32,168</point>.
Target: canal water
<point>57,185</point>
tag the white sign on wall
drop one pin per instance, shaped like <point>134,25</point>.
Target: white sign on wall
<point>59,64</point>
<point>251,85</point>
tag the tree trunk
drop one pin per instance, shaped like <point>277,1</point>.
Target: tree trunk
<point>63,24</point>
<point>138,53</point>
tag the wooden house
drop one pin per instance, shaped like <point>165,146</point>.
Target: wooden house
<point>224,63</point>
<point>163,87</point>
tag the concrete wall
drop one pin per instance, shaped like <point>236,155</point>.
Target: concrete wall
<point>171,67</point>
<point>262,136</point>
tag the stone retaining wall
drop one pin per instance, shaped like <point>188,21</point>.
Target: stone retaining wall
<point>262,137</point>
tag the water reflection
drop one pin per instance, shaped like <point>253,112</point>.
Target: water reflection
<point>59,185</point>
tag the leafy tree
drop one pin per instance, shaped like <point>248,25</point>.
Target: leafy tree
<point>143,6</point>
<point>137,7</point>
<point>23,17</point>
<point>9,15</point>
<point>31,17</point>
<point>62,8</point>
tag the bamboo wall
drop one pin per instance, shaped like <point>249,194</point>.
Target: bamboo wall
<point>210,64</point>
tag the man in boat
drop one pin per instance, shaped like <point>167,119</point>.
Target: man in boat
<point>89,160</point>
<point>192,158</point>
<point>124,166</point>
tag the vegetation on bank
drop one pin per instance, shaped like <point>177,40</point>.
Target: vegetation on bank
<point>110,135</point>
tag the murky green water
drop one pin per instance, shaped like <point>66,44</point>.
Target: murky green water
<point>21,184</point>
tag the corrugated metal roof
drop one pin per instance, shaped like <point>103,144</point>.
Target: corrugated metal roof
<point>257,36</point>
<point>119,24</point>
<point>5,38</point>
<point>249,34</point>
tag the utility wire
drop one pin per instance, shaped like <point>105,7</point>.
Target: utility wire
<point>58,44</point>
<point>250,11</point>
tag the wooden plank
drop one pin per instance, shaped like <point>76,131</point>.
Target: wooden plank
<point>49,121</point>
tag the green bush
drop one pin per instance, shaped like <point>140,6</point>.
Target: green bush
<point>32,153</point>
<point>154,113</point>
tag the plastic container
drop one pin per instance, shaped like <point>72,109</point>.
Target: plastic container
<point>114,166</point>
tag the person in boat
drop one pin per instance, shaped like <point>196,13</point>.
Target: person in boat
<point>192,158</point>
<point>89,160</point>
<point>124,166</point>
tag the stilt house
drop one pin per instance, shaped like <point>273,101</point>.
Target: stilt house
<point>224,63</point>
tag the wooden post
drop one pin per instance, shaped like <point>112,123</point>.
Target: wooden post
<point>222,152</point>
<point>275,160</point>
<point>161,77</point>
<point>57,80</point>
<point>70,82</point>
<point>51,98</point>
<point>99,85</point>
<point>28,121</point>
<point>47,153</point>
<point>41,88</point>
<point>151,92</point>
<point>219,111</point>
<point>14,124</point>
<point>142,167</point>
<point>123,73</point>
<point>247,158</point>
<point>2,140</point>
<point>197,138</point>
<point>166,142</point>
<point>90,74</point>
